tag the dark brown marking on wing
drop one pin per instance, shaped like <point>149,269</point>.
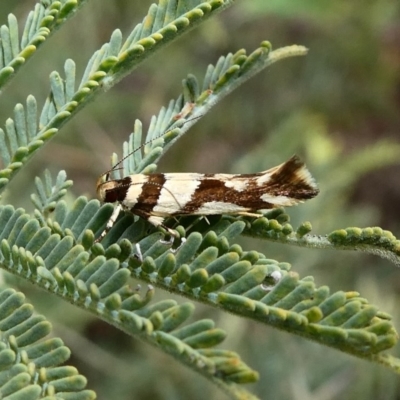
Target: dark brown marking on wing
<point>210,190</point>
<point>288,181</point>
<point>118,193</point>
<point>148,198</point>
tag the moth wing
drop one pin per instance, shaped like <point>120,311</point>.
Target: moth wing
<point>287,184</point>
<point>163,195</point>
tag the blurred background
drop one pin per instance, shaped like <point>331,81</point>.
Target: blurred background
<point>338,108</point>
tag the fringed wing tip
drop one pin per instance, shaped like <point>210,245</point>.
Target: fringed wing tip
<point>291,181</point>
<point>296,172</point>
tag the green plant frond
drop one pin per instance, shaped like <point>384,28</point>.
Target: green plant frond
<point>19,139</point>
<point>206,268</point>
<point>164,129</point>
<point>274,227</point>
<point>29,360</point>
<point>47,195</point>
<point>22,137</point>
<point>98,283</point>
<point>40,23</point>
<point>195,101</point>
<point>370,240</point>
<point>163,23</point>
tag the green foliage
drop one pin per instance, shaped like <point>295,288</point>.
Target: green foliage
<point>55,249</point>
<point>30,361</point>
<point>46,17</point>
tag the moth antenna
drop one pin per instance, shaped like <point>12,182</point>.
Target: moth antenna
<point>107,173</point>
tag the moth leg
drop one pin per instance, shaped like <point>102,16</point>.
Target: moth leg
<point>157,221</point>
<point>139,254</point>
<point>110,223</point>
<point>198,219</point>
<point>172,235</point>
<point>183,240</point>
<point>247,214</point>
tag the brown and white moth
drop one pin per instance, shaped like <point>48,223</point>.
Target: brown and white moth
<point>155,197</point>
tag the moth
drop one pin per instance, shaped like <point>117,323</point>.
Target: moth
<point>157,196</point>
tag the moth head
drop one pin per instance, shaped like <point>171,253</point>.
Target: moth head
<point>103,185</point>
<point>106,188</point>
<point>111,191</point>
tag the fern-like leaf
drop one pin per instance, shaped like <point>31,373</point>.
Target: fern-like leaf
<point>105,68</point>
<point>96,280</point>
<point>48,194</point>
<point>46,17</point>
<point>373,240</point>
<point>206,267</point>
<point>175,120</point>
<point>31,361</point>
